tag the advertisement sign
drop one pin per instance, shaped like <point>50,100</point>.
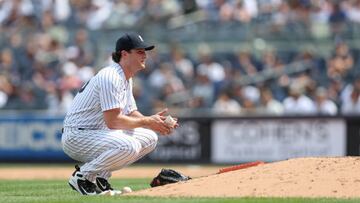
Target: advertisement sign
<point>247,140</point>
<point>204,140</point>
<point>31,140</point>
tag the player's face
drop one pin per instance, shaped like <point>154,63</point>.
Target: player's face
<point>137,59</point>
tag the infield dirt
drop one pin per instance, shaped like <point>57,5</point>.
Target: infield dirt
<point>301,177</point>
<point>337,177</point>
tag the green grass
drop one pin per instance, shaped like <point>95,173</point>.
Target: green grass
<point>52,191</point>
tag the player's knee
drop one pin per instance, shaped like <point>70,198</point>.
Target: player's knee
<point>149,137</point>
<point>153,139</point>
<point>133,149</point>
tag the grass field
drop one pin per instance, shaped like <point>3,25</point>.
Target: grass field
<point>51,191</point>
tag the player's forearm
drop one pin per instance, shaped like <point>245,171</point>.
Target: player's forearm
<point>127,122</point>
<point>115,120</point>
<point>136,114</point>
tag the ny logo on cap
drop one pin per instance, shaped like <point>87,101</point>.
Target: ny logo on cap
<point>141,38</point>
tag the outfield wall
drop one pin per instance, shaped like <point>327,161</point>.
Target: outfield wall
<point>199,140</point>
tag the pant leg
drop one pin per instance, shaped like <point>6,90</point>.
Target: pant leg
<point>148,140</point>
<point>100,150</point>
<point>104,151</point>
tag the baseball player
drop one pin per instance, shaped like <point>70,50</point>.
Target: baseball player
<point>103,129</point>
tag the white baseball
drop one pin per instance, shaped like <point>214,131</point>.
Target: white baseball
<point>126,190</point>
<point>170,121</point>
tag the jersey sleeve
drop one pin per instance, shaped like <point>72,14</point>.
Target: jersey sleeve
<point>111,91</point>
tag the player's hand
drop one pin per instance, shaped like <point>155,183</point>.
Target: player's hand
<point>156,123</point>
<point>160,126</point>
<point>162,112</point>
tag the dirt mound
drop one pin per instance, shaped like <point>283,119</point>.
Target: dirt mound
<point>301,177</point>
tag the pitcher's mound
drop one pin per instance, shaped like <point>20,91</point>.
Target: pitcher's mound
<point>301,177</point>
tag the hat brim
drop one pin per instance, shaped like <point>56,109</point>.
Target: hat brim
<point>149,47</point>
<point>145,46</point>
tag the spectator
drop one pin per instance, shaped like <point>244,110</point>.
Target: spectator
<point>8,66</point>
<point>166,84</point>
<point>245,63</point>
<point>183,66</point>
<point>213,70</point>
<point>353,10</point>
<point>337,19</point>
<point>158,78</point>
<point>203,92</point>
<point>341,62</point>
<point>161,10</point>
<point>189,6</point>
<point>12,12</point>
<point>245,10</point>
<point>323,104</point>
<point>268,104</point>
<point>351,105</point>
<point>60,9</point>
<point>334,90</point>
<point>58,101</point>
<point>297,103</point>
<point>250,96</point>
<point>99,12</point>
<point>225,105</point>
<point>351,98</point>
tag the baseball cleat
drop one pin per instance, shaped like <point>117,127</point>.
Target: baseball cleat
<point>103,185</point>
<point>78,183</point>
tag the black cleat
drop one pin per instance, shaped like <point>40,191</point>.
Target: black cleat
<point>103,185</point>
<point>83,186</point>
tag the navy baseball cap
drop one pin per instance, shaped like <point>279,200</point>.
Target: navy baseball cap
<point>132,41</point>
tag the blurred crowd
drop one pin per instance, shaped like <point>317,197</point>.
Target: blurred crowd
<point>47,54</point>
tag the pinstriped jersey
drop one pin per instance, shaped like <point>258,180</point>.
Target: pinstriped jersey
<point>108,89</point>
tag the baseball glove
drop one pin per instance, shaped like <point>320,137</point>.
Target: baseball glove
<point>167,176</point>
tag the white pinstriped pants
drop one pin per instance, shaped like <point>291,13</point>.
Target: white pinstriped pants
<point>104,151</point>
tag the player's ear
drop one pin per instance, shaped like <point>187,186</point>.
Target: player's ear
<point>124,52</point>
